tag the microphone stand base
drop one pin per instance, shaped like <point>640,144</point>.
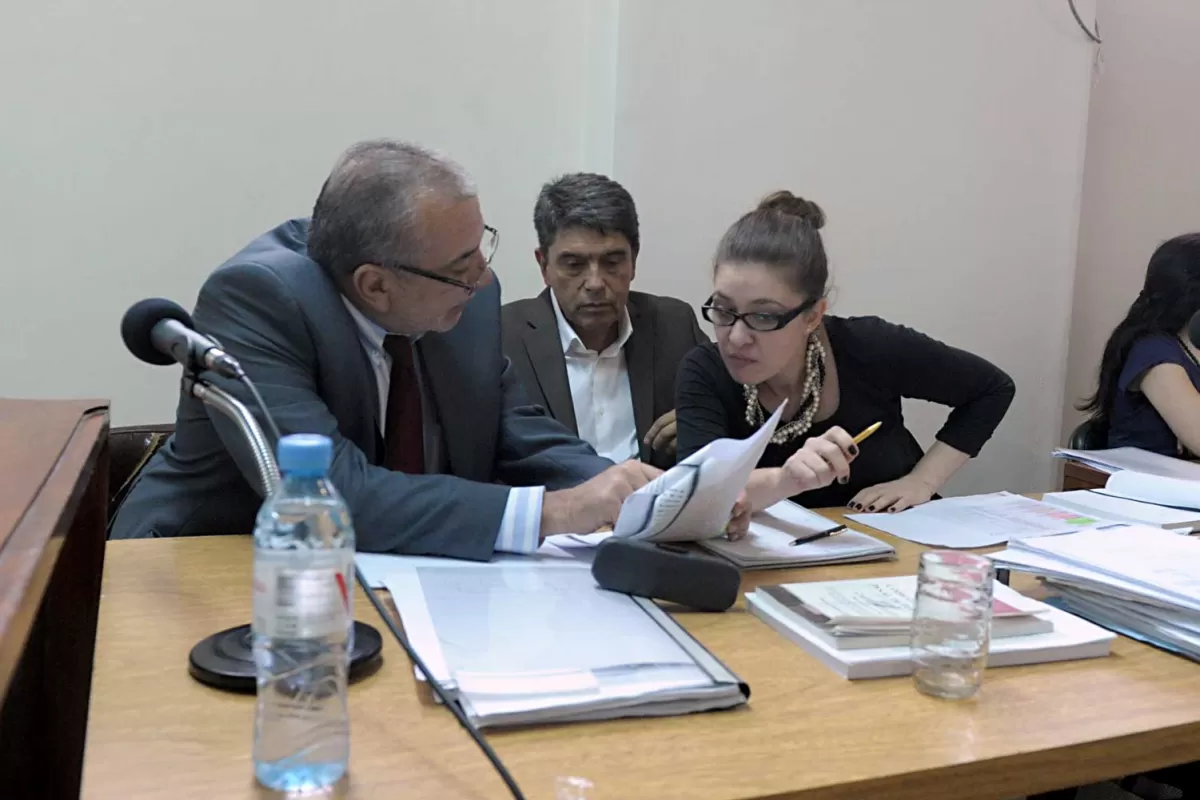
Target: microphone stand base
<point>225,660</point>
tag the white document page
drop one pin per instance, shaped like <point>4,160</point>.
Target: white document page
<point>1152,558</point>
<point>512,620</point>
<point>692,500</point>
<point>1176,492</point>
<point>791,518</point>
<point>1122,509</point>
<point>765,546</point>
<point>869,601</point>
<point>563,549</point>
<point>772,531</point>
<point>978,521</point>
<point>1057,571</point>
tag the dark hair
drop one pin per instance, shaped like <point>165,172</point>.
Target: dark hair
<point>781,233</point>
<point>585,200</point>
<point>1169,298</point>
<point>366,212</point>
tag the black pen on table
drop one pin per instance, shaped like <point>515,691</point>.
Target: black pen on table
<point>812,537</point>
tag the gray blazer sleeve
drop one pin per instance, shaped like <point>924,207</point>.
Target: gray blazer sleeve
<point>249,310</point>
<point>537,450</point>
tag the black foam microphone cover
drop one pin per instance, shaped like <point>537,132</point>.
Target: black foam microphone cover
<point>666,572</point>
<point>139,322</point>
<point>1193,330</point>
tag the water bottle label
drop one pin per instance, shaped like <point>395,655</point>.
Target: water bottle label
<point>305,602</point>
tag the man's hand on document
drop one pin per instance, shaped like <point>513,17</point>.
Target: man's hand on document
<point>593,504</point>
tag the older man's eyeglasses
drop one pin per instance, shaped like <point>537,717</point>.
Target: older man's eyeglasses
<point>761,321</point>
<point>487,248</point>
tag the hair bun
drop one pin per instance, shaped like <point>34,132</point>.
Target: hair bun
<point>788,203</point>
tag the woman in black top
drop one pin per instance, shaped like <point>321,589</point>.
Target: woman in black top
<point>838,375</point>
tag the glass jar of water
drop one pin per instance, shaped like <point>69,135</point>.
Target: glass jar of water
<point>952,619</point>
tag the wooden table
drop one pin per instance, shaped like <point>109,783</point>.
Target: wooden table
<point>53,503</point>
<point>806,733</point>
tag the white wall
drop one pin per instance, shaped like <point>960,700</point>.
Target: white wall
<point>944,140</point>
<point>1141,181</point>
<point>143,142</point>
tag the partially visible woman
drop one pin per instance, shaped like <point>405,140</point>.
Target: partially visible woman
<point>775,343</point>
<point>1149,388</point>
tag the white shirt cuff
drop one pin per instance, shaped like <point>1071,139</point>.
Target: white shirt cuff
<point>522,521</point>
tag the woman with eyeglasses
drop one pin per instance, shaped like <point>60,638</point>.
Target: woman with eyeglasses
<point>839,375</point>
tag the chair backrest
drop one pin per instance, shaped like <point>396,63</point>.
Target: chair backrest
<point>1089,435</point>
<point>129,448</point>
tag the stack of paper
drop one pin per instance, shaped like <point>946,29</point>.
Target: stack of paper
<point>1120,509</point>
<point>978,521</point>
<point>540,642</point>
<point>1068,638</point>
<point>773,531</point>
<point>1144,476</point>
<point>1132,459</point>
<point>1139,581</point>
<point>878,612</point>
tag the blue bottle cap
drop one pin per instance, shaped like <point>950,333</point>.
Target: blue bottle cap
<point>304,454</point>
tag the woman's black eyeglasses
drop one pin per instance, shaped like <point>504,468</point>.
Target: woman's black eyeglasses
<point>761,321</point>
<point>487,247</point>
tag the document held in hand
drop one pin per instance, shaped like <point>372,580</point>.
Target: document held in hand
<point>692,500</point>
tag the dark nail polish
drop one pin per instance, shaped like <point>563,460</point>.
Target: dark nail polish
<point>853,449</point>
<point>843,481</point>
<point>870,508</point>
<point>892,510</point>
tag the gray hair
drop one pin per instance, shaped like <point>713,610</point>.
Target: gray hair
<point>585,200</point>
<point>367,210</point>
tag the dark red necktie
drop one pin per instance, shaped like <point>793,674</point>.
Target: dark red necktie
<point>403,440</point>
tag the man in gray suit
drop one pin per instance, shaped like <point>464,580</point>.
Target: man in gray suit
<point>601,358</point>
<point>377,324</point>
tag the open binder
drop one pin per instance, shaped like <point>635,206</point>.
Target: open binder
<point>519,644</point>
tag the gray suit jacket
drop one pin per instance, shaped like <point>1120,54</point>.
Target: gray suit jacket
<point>282,317</point>
<point>664,331</point>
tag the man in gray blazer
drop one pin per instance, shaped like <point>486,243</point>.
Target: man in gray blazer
<point>377,324</point>
<point>601,358</point>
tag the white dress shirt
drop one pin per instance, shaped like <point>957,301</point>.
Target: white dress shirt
<point>600,389</point>
<point>520,526</point>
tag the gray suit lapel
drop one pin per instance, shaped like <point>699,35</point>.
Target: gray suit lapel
<point>549,366</point>
<point>639,361</point>
<point>352,385</point>
<point>438,361</point>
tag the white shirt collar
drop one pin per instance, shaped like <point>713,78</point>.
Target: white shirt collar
<point>570,340</point>
<point>370,332</point>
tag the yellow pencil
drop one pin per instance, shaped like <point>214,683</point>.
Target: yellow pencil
<point>859,439</point>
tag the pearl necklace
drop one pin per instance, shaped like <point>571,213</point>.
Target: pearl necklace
<point>810,396</point>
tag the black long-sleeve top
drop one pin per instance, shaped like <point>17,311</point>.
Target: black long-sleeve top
<point>878,363</point>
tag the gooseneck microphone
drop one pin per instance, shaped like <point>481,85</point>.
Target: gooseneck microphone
<point>1193,330</point>
<point>158,331</point>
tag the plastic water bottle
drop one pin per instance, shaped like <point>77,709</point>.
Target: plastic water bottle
<point>303,623</point>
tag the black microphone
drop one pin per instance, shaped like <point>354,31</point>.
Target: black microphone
<point>158,331</point>
<point>666,572</point>
<point>1193,330</point>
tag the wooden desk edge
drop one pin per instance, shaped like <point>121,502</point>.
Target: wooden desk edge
<point>42,530</point>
